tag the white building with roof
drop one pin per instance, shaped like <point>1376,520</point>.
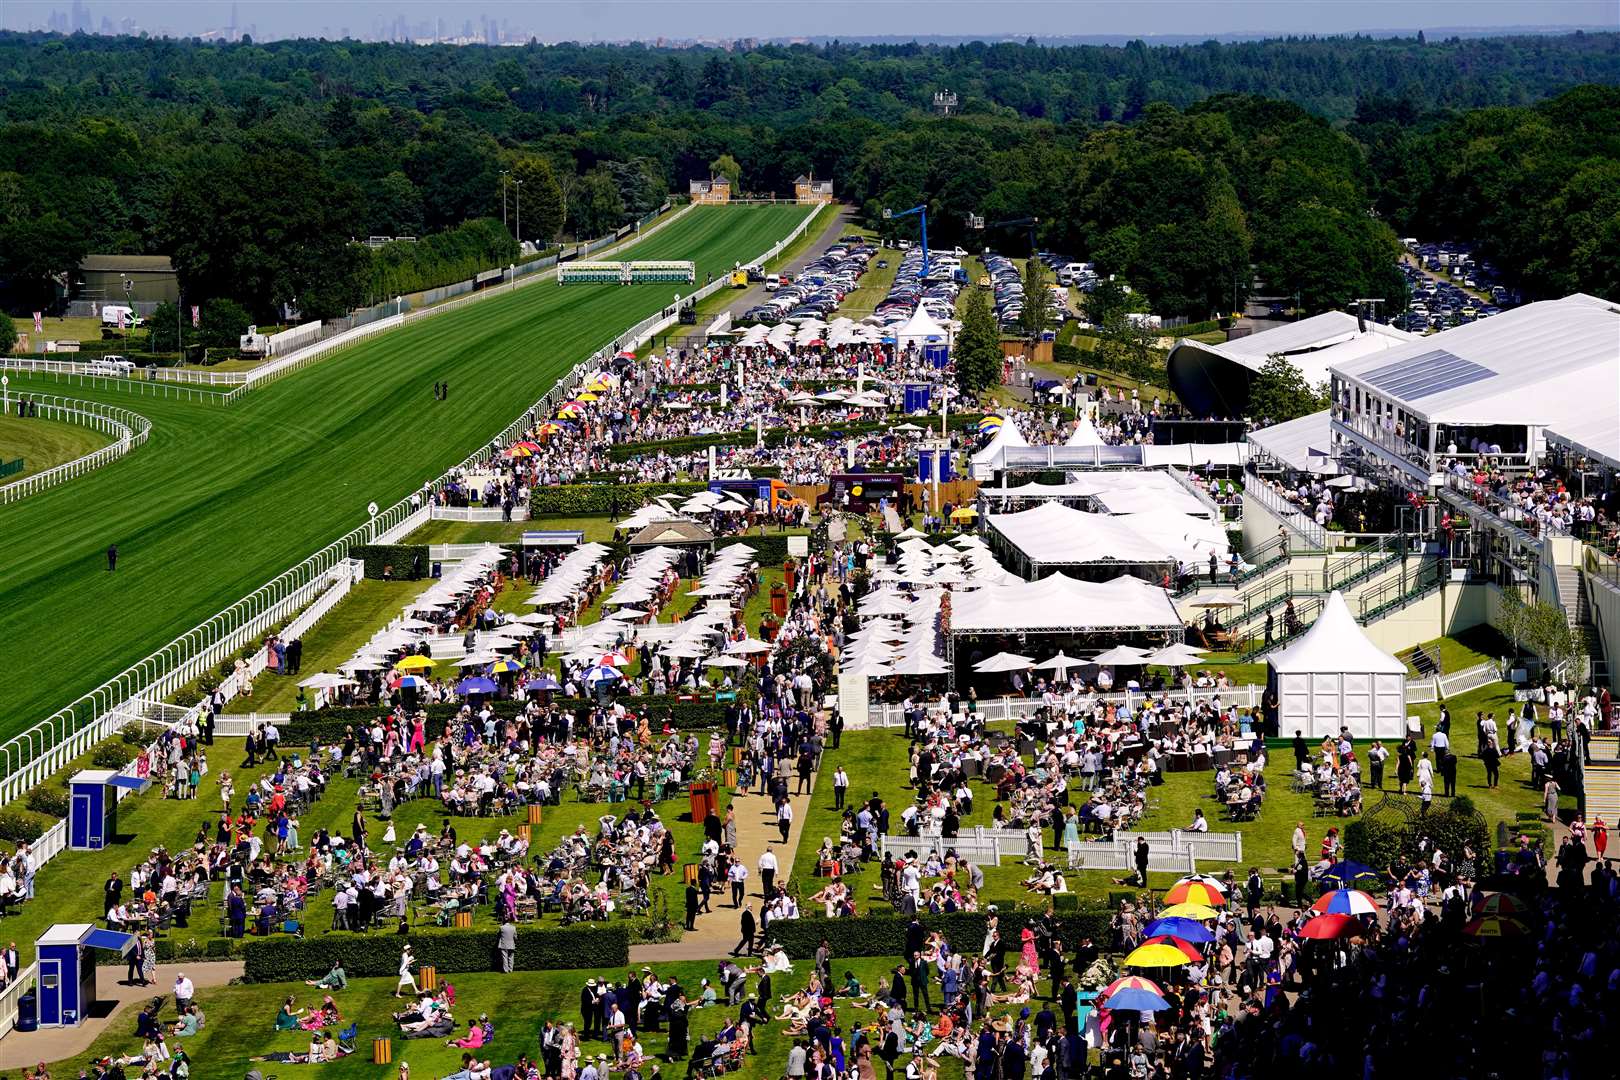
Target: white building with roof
<point>1493,388</point>
<point>1214,380</point>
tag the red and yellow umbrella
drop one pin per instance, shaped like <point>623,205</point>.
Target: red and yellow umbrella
<point>1196,892</point>
<point>571,409</point>
<point>1186,947</point>
<point>518,450</point>
<point>1498,903</point>
<point>551,427</point>
<point>1496,926</point>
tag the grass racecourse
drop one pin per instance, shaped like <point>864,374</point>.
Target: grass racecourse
<point>222,499</point>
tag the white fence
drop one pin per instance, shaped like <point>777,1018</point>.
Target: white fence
<point>479,513</point>
<point>128,430</point>
<point>31,756</point>
<point>976,851</point>
<point>1106,856</point>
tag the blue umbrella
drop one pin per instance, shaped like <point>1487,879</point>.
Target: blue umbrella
<point>476,685</point>
<point>1135,1000</point>
<point>601,673</point>
<point>1347,873</point>
<point>544,682</point>
<point>411,682</point>
<point>1183,929</point>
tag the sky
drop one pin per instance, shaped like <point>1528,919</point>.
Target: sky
<point>560,20</point>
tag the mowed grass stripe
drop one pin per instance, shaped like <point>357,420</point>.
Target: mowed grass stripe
<point>223,499</point>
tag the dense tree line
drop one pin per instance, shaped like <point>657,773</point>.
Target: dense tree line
<point>256,165</point>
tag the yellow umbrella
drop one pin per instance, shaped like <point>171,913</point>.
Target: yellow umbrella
<point>964,513</point>
<point>598,386</point>
<point>1187,911</point>
<point>586,396</point>
<point>414,663</point>
<point>1156,956</point>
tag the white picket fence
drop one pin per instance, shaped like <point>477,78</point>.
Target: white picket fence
<point>128,430</point>
<point>479,513</point>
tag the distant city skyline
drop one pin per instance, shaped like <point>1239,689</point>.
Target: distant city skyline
<point>494,22</point>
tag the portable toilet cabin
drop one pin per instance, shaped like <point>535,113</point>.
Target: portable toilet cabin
<point>93,820</point>
<point>67,970</point>
<point>917,397</point>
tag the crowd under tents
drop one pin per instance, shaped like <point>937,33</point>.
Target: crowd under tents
<point>1334,677</point>
<point>1151,543</point>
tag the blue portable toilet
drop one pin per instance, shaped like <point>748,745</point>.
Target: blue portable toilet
<point>925,466</point>
<point>943,465</point>
<point>938,355</point>
<point>67,970</point>
<point>92,823</point>
<point>917,395</point>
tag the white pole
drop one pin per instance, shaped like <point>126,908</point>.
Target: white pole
<point>711,463</point>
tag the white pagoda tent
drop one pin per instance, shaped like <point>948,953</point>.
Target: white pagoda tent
<point>1334,677</point>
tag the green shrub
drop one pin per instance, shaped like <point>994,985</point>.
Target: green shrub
<point>112,755</point>
<point>771,548</point>
<point>18,826</point>
<point>1066,903</point>
<point>219,947</point>
<point>1373,842</point>
<point>52,802</point>
<point>284,959</point>
<point>401,562</point>
<point>882,934</point>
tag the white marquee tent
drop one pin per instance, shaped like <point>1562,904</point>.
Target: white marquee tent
<point>987,460</point>
<point>1052,534</point>
<point>921,330</point>
<point>1060,603</point>
<point>1336,677</point>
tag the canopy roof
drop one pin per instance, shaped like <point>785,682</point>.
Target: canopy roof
<point>1060,602</point>
<point>1214,379</point>
<point>1305,444</point>
<point>1335,643</point>
<point>1085,434</point>
<point>1550,364</point>
<point>1119,491</point>
<point>1054,534</point>
<point>1006,435</point>
<point>921,328</point>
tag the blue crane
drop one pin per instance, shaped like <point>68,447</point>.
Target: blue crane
<point>922,212</point>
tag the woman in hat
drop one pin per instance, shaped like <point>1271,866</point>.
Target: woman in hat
<point>406,962</point>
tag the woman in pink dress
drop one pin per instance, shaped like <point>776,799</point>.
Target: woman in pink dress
<point>1032,959</point>
<point>418,735</point>
<point>1600,836</point>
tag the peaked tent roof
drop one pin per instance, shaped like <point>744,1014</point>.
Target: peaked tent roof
<point>1085,434</point>
<point>921,327</point>
<point>1060,602</point>
<point>1304,443</point>
<point>1335,643</point>
<point>1006,435</point>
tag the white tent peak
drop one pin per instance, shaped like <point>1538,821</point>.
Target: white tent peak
<point>1085,434</point>
<point>921,327</point>
<point>1336,642</point>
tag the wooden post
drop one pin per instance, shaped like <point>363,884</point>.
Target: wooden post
<point>382,1050</point>
<point>428,978</point>
<point>536,813</point>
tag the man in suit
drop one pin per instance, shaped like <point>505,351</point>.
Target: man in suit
<point>236,912</point>
<point>588,1010</point>
<point>691,905</point>
<point>897,987</point>
<point>745,943</point>
<point>507,944</point>
<point>1012,1060</point>
<point>1069,1003</point>
<point>919,983</point>
<point>111,893</point>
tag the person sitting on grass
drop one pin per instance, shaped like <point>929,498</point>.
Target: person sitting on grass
<point>478,1035</point>
<point>336,979</point>
<point>287,1016</point>
<point>471,1069</point>
<point>323,1015</point>
<point>191,1019</point>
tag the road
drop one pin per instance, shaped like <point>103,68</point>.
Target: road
<point>740,301</point>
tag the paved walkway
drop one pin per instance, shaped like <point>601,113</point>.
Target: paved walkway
<point>717,932</point>
<point>20,1049</point>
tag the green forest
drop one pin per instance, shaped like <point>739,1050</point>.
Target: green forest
<point>256,165</point>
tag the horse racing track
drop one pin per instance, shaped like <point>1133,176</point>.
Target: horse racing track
<point>222,499</point>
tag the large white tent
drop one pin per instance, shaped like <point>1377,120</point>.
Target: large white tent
<point>1052,534</point>
<point>1334,677</point>
<point>1062,603</point>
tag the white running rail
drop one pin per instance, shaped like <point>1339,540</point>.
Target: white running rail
<point>33,755</point>
<point>128,430</point>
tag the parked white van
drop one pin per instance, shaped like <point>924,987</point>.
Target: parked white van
<point>110,313</point>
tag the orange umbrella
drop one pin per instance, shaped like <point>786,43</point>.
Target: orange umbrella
<point>1498,903</point>
<point>1196,892</point>
<point>1185,946</point>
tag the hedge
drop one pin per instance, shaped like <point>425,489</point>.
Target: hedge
<point>401,562</point>
<point>287,959</point>
<point>595,500</point>
<point>772,548</point>
<point>885,935</point>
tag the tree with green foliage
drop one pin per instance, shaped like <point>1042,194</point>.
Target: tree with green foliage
<point>224,321</point>
<point>725,165</point>
<point>163,326</point>
<point>1036,317</point>
<point>594,207</point>
<point>1279,392</point>
<point>8,333</point>
<point>539,196</point>
<point>978,345</point>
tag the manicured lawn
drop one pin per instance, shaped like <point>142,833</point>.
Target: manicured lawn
<point>1474,646</point>
<point>596,530</point>
<point>334,640</point>
<point>44,444</point>
<point>240,1019</point>
<point>223,499</point>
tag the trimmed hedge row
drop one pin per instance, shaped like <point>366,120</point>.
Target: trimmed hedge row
<point>401,562</point>
<point>885,935</point>
<point>593,500</point>
<point>771,548</point>
<point>286,959</point>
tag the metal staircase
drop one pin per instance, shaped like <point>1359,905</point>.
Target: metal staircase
<point>1574,598</point>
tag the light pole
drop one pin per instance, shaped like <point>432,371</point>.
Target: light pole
<point>505,177</point>
<point>519,185</point>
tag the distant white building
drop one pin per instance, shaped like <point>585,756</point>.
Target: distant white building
<point>1214,380</point>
